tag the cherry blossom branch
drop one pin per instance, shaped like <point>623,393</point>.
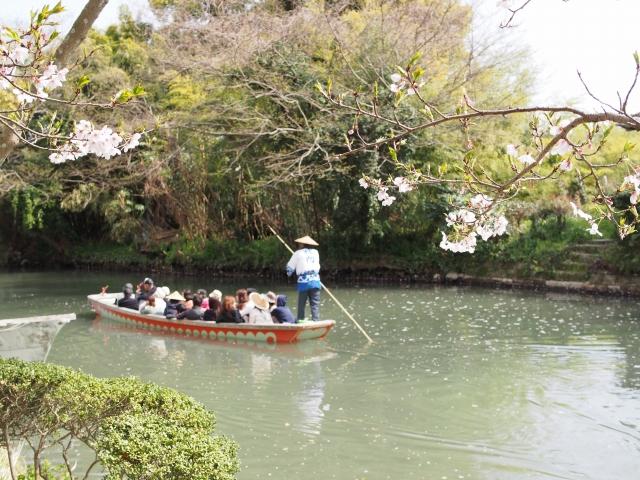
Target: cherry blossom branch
<point>513,11</point>
<point>476,218</point>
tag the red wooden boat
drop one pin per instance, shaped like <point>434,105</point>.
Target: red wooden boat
<point>104,306</point>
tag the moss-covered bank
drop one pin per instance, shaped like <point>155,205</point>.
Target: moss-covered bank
<point>546,252</point>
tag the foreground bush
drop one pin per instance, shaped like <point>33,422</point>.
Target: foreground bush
<point>134,429</point>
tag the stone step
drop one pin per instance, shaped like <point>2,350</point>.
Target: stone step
<point>603,278</point>
<point>601,240</point>
<point>574,265</point>
<point>569,275</point>
<point>589,247</point>
<point>583,257</point>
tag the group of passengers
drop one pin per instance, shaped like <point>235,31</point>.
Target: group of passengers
<point>247,306</point>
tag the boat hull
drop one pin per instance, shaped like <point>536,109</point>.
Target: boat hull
<point>104,306</point>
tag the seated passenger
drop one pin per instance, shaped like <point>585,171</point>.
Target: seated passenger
<point>215,307</point>
<point>156,304</point>
<point>282,314</point>
<point>145,289</point>
<point>242,297</point>
<point>205,298</point>
<point>187,302</point>
<point>272,300</point>
<point>229,312</point>
<point>259,314</point>
<point>173,301</point>
<point>128,300</point>
<point>193,313</point>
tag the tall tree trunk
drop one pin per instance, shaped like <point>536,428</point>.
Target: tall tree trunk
<point>79,31</point>
<point>8,140</point>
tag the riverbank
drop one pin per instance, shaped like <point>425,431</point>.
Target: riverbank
<point>539,259</point>
<point>378,273</point>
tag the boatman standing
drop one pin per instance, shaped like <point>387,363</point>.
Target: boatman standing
<point>305,263</point>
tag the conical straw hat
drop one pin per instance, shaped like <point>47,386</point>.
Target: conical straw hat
<point>259,301</point>
<point>307,240</point>
<point>176,296</point>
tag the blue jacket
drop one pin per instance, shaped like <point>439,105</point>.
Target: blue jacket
<point>282,314</point>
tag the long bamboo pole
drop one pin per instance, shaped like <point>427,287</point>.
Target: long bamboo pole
<point>326,290</point>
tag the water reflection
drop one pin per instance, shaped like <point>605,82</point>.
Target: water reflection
<point>310,400</point>
<point>461,383</point>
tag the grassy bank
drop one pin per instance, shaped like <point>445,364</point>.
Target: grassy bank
<point>554,248</point>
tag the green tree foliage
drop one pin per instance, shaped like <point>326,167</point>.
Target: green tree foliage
<point>132,429</point>
<point>239,138</point>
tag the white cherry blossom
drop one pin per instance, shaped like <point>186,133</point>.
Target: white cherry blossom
<point>632,181</point>
<point>593,230</point>
<point>86,140</point>
<point>579,213</point>
<point>363,183</point>
<point>511,150</point>
<point>133,142</point>
<point>527,159</point>
<point>566,165</point>
<point>494,226</point>
<point>555,130</point>
<point>388,200</point>
<point>51,78</point>
<point>461,217</point>
<point>561,148</point>
<point>466,244</point>
<point>19,55</point>
<point>23,97</point>
<point>480,202</point>
<point>384,197</point>
<point>403,184</point>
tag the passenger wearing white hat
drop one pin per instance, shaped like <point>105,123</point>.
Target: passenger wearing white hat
<point>260,312</point>
<point>305,263</point>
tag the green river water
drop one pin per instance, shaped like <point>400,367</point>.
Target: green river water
<point>461,383</point>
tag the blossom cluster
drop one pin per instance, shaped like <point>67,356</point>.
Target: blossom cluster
<point>632,181</point>
<point>19,73</point>
<point>27,73</point>
<point>562,147</point>
<point>402,184</point>
<point>86,139</point>
<point>593,229</point>
<point>469,223</point>
<point>402,83</point>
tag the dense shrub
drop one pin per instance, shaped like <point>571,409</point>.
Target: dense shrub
<point>134,429</point>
